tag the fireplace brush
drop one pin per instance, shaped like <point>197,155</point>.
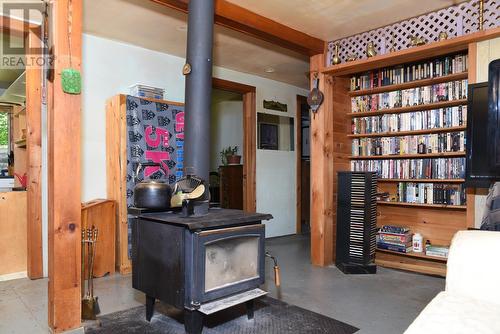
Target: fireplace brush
<point>277,280</point>
<point>90,304</point>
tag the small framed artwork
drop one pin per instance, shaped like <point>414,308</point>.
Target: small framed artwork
<point>268,136</point>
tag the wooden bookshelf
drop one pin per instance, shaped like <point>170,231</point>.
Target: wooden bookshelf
<point>410,84</point>
<point>402,110</point>
<point>408,133</point>
<point>409,156</point>
<point>418,205</point>
<point>412,254</point>
<point>423,180</point>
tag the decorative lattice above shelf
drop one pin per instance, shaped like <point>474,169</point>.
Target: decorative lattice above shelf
<point>456,20</point>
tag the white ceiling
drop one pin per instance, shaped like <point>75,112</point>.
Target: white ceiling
<point>334,19</point>
<point>152,26</point>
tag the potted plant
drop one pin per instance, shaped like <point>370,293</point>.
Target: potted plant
<point>229,156</point>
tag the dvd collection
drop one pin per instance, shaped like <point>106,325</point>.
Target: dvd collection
<point>448,91</point>
<point>400,74</point>
<point>419,144</point>
<point>419,120</point>
<point>430,193</point>
<point>440,168</point>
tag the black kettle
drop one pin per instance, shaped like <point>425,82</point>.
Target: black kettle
<point>151,194</point>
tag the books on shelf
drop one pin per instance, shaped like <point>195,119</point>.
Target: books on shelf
<point>394,238</point>
<point>430,193</point>
<point>419,120</point>
<point>394,229</point>
<point>432,143</point>
<point>440,168</point>
<point>447,91</point>
<point>437,251</point>
<point>406,73</point>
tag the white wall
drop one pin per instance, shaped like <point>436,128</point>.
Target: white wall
<point>226,129</point>
<point>486,52</point>
<point>110,67</point>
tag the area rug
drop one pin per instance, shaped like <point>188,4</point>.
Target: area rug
<point>271,316</point>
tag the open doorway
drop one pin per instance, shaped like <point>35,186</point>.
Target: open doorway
<point>226,161</point>
<point>303,166</point>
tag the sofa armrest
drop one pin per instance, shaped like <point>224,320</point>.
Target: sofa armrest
<point>473,267</point>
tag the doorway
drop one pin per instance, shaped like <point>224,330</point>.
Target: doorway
<point>248,150</point>
<point>303,166</point>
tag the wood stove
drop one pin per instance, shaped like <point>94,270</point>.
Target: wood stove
<point>199,264</point>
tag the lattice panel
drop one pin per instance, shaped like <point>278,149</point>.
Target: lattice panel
<point>456,20</point>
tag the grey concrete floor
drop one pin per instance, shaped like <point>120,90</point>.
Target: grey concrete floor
<point>384,303</point>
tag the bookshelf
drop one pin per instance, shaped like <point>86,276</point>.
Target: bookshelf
<point>376,112</point>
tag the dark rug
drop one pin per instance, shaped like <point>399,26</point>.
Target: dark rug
<point>271,316</point>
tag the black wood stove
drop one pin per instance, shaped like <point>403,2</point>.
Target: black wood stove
<point>199,264</point>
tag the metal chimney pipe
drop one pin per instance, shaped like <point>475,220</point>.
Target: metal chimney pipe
<point>198,71</point>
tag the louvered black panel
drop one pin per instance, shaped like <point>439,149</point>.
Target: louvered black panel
<point>356,221</point>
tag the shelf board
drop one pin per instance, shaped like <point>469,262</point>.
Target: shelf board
<point>410,84</point>
<point>408,133</point>
<point>413,54</point>
<point>411,254</point>
<point>423,180</point>
<point>408,156</point>
<point>401,110</point>
<point>419,268</point>
<point>435,206</point>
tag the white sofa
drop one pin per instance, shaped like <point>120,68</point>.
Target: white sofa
<point>470,303</point>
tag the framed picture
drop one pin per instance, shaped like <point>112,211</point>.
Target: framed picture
<point>268,136</point>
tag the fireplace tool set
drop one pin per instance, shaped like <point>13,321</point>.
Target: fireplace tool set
<point>90,304</point>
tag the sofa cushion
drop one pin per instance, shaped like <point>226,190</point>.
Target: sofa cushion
<point>456,314</point>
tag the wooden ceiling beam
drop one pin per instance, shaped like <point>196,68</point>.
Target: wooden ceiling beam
<point>249,23</point>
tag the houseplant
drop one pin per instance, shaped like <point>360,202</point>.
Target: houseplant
<point>229,156</point>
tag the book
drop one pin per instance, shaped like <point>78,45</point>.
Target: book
<point>394,248</point>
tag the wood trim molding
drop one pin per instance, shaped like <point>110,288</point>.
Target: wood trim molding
<point>34,160</point>
<point>249,138</point>
<point>64,228</point>
<point>249,23</point>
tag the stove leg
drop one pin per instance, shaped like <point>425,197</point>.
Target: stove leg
<point>193,322</point>
<point>250,309</point>
<point>150,307</point>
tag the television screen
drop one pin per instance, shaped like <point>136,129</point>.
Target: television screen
<point>479,171</point>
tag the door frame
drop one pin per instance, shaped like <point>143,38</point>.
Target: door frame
<point>249,138</point>
<point>31,34</point>
<point>298,134</point>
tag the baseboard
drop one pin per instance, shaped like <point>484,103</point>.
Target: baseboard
<point>8,277</point>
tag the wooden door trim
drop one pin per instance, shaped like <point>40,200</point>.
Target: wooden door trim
<point>249,138</point>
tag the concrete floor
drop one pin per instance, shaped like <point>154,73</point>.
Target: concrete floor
<point>377,304</point>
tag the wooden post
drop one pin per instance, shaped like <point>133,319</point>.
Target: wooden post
<point>64,304</point>
<point>34,158</point>
<point>321,172</point>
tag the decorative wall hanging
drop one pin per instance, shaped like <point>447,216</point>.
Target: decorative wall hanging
<point>457,20</point>
<point>275,105</point>
<point>315,97</point>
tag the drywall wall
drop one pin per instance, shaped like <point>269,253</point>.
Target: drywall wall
<point>486,52</point>
<point>226,129</point>
<point>110,67</point>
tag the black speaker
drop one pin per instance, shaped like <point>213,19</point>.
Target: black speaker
<point>356,222</point>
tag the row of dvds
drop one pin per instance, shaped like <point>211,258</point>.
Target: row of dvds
<point>419,120</point>
<point>430,193</point>
<point>448,91</point>
<point>418,144</point>
<point>405,73</point>
<point>440,168</point>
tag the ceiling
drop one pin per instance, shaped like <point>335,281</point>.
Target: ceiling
<point>152,26</point>
<point>334,19</point>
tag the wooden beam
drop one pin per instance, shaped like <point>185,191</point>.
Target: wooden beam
<point>64,111</point>
<point>249,23</point>
<point>34,158</point>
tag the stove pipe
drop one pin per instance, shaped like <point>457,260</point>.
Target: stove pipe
<point>198,87</point>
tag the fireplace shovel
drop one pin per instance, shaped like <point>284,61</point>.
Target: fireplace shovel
<point>90,304</point>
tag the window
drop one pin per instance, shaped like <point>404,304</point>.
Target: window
<point>4,140</point>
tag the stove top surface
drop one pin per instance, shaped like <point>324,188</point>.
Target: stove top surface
<point>215,218</point>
